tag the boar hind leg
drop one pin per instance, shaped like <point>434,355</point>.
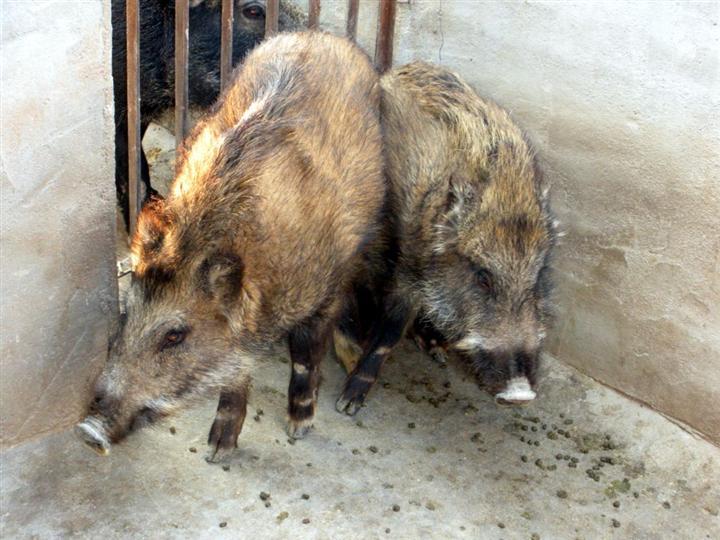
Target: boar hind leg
<point>228,422</point>
<point>308,344</point>
<point>383,337</point>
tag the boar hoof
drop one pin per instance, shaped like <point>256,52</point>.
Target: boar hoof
<point>218,455</point>
<point>297,429</point>
<point>223,436</point>
<point>349,405</point>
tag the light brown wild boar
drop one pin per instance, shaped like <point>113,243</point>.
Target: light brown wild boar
<point>278,191</point>
<point>473,233</point>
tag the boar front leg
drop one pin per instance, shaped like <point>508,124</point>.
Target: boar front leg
<point>383,337</point>
<point>229,420</point>
<point>308,344</point>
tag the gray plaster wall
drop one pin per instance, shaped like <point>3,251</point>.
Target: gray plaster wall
<point>622,100</point>
<point>57,268</point>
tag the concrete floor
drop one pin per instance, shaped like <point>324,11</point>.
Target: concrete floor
<point>429,457</point>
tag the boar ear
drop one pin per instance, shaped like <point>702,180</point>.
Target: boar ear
<point>220,276</point>
<point>462,192</point>
<point>152,226</point>
<point>195,3</point>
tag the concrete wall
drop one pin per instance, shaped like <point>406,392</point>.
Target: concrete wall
<point>57,268</point>
<point>623,102</point>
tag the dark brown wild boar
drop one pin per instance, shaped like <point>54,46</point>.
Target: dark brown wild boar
<point>474,235</point>
<point>277,193</point>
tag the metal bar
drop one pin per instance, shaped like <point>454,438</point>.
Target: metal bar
<point>272,12</point>
<point>226,43</point>
<point>385,33</point>
<point>182,19</point>
<point>133,108</point>
<point>313,14</point>
<point>352,19</point>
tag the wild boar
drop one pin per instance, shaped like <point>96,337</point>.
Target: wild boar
<point>157,63</point>
<point>278,191</point>
<point>474,236</point>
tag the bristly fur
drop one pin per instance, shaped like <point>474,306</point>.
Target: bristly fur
<point>471,220</point>
<point>277,193</point>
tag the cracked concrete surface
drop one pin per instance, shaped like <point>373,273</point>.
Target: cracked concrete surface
<point>430,456</point>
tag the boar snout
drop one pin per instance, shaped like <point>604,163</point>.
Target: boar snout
<point>93,429</point>
<point>517,392</point>
<point>519,387</point>
<point>92,432</point>
<point>508,376</point>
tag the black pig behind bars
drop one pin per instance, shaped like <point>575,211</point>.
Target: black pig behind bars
<point>278,191</point>
<point>473,235</point>
<point>157,67</point>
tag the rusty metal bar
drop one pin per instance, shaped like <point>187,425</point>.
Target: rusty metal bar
<point>182,19</point>
<point>385,33</point>
<point>133,108</point>
<point>272,12</point>
<point>352,19</point>
<point>226,43</point>
<point>313,14</point>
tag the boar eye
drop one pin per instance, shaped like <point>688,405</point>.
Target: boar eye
<point>484,279</point>
<point>253,12</point>
<point>173,338</point>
